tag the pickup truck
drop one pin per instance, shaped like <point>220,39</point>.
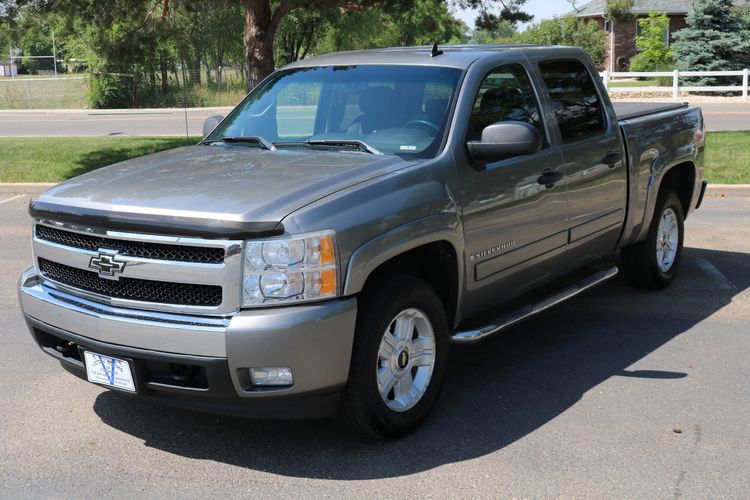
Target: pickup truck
<point>357,213</point>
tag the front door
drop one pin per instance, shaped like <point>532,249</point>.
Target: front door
<point>511,220</point>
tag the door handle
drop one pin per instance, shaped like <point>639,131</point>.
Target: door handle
<point>549,178</point>
<point>612,158</point>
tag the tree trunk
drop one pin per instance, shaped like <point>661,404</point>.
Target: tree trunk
<point>196,76</point>
<point>258,37</point>
<point>164,77</point>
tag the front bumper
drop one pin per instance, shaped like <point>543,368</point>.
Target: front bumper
<point>200,362</point>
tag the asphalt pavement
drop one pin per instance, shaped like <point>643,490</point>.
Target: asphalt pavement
<point>176,122</point>
<point>618,393</point>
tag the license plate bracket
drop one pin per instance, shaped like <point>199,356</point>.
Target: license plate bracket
<point>111,372</point>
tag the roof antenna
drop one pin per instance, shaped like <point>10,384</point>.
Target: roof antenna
<point>435,51</point>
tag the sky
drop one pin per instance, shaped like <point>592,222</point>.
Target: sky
<point>541,9</point>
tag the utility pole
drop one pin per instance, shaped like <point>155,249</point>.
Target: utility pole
<point>54,52</point>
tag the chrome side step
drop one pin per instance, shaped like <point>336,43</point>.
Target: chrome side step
<point>504,322</point>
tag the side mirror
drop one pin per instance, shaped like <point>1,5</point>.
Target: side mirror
<point>504,140</point>
<point>211,123</point>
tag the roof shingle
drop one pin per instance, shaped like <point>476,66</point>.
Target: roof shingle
<point>597,7</point>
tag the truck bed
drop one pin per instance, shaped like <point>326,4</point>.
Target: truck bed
<point>630,110</point>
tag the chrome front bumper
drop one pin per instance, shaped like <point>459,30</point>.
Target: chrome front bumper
<point>314,340</point>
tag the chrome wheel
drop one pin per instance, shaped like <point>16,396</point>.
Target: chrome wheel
<point>667,240</point>
<point>406,359</point>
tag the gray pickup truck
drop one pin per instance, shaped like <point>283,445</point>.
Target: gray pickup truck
<point>323,245</point>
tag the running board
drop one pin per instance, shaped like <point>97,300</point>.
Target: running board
<point>504,322</point>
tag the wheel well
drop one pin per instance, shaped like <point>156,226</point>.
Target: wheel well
<point>436,263</point>
<point>681,179</point>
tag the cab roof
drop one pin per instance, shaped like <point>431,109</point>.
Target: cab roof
<point>454,56</point>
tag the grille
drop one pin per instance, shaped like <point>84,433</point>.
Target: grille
<point>160,251</point>
<point>133,289</point>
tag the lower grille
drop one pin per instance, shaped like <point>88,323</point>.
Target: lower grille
<point>132,289</point>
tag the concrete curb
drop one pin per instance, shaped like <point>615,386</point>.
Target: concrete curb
<point>727,190</point>
<point>32,188</point>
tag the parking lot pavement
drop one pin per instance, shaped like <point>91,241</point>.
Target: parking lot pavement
<point>584,401</point>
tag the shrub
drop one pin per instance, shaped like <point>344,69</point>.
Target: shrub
<point>110,91</point>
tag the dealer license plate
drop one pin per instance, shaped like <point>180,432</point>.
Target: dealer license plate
<point>109,371</point>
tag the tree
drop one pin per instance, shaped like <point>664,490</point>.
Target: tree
<point>714,40</point>
<point>654,53</point>
<point>617,11</point>
<point>568,30</point>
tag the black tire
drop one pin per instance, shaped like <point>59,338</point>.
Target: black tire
<point>362,408</point>
<point>640,262</point>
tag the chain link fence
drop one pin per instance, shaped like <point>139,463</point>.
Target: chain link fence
<point>172,88</point>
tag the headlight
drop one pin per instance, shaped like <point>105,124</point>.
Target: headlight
<point>294,269</point>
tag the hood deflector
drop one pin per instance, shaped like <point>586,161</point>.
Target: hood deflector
<point>155,223</point>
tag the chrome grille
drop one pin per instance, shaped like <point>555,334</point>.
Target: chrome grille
<point>132,289</point>
<point>142,249</point>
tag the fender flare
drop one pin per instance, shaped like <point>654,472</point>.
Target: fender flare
<point>654,186</point>
<point>369,256</point>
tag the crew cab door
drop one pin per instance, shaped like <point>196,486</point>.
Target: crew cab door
<point>595,164</point>
<point>511,221</point>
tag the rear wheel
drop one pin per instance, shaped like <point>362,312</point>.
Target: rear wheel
<point>398,360</point>
<point>653,263</point>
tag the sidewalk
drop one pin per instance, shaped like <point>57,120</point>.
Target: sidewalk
<point>127,111</point>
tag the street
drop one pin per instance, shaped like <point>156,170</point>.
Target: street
<point>617,393</point>
<point>172,122</point>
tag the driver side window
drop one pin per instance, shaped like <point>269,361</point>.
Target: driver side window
<point>506,94</point>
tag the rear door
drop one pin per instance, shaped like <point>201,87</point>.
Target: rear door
<point>595,163</point>
<point>511,221</point>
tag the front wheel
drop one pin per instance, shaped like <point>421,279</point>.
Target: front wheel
<point>398,360</point>
<point>653,262</point>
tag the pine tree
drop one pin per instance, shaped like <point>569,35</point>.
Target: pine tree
<point>714,40</point>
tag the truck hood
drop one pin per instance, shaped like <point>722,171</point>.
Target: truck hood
<point>208,190</point>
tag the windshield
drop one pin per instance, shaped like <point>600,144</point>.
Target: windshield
<point>399,110</point>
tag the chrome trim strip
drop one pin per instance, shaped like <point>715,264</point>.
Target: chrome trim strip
<point>505,322</point>
<point>228,274</point>
<point>194,335</point>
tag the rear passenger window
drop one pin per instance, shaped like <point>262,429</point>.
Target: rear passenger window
<point>575,102</point>
<point>505,95</point>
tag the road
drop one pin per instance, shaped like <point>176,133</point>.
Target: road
<point>732,116</point>
<point>583,401</point>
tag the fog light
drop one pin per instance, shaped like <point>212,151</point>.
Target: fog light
<point>271,376</point>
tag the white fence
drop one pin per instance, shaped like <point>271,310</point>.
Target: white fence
<point>676,75</point>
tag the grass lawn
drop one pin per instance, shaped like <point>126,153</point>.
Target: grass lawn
<point>728,157</point>
<point>651,82</point>
<point>55,159</point>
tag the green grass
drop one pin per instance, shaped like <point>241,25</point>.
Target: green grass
<point>728,157</point>
<point>652,82</point>
<point>55,159</point>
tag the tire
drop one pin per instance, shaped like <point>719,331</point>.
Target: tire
<point>649,263</point>
<point>407,312</point>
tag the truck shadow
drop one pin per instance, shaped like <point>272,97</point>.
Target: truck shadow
<point>496,392</point>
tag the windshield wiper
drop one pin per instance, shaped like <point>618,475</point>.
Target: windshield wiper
<point>344,142</point>
<point>255,139</point>
<point>362,145</point>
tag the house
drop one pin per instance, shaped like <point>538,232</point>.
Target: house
<point>622,46</point>
<point>8,68</point>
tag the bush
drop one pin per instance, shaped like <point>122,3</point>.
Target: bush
<point>568,30</point>
<point>110,91</point>
<point>655,53</point>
